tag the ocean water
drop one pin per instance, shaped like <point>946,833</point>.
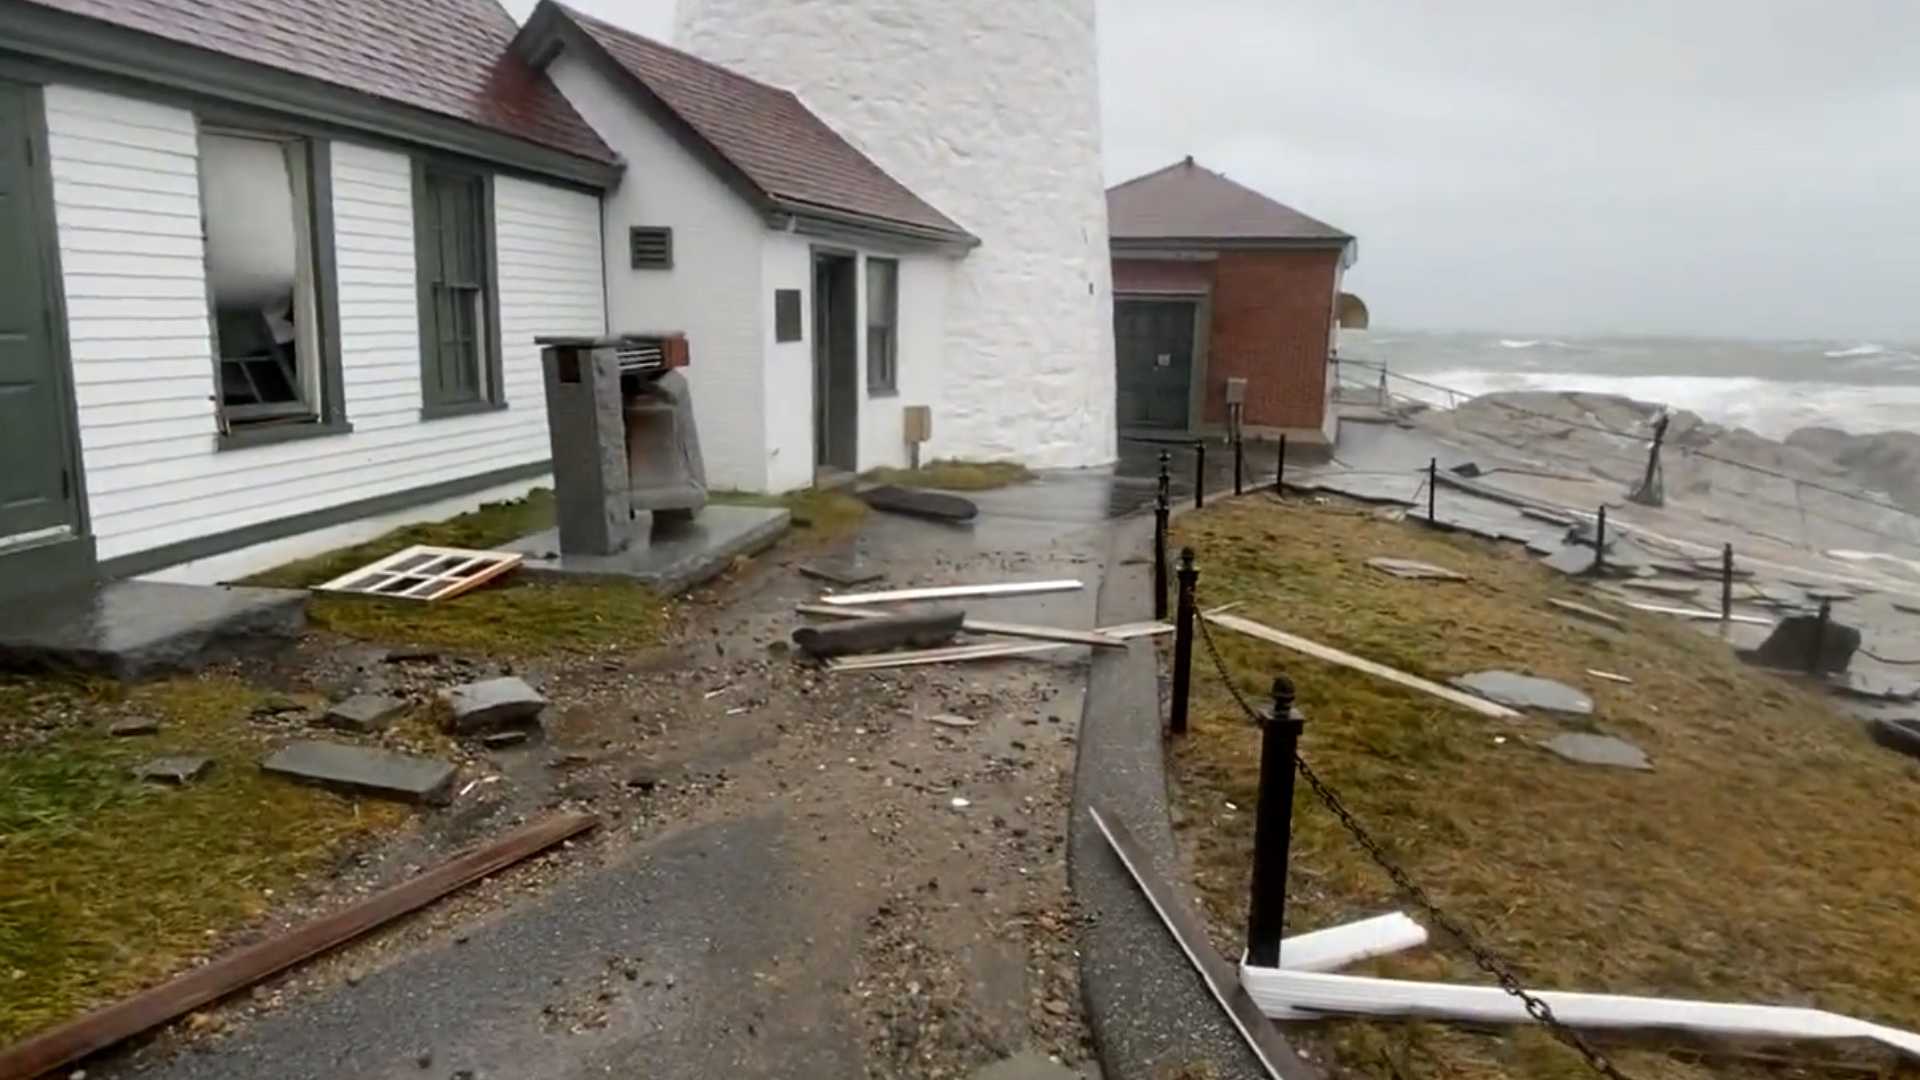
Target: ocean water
<point>1769,387</point>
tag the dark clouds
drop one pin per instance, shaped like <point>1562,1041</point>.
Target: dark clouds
<point>1733,167</point>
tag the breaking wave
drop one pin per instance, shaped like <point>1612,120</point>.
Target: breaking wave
<point>1868,349</point>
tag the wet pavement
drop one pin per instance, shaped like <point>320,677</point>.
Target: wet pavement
<point>825,884</point>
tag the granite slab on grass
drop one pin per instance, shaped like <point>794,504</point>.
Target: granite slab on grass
<point>364,713</point>
<point>178,770</point>
<point>1604,750</point>
<point>490,705</point>
<point>1526,692</point>
<point>362,771</point>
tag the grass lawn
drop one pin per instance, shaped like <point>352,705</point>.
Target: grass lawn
<point>950,474</point>
<point>1771,857</point>
<point>515,616</point>
<point>109,884</point>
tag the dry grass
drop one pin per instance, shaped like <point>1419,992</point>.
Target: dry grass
<point>109,884</point>
<point>950,474</point>
<point>513,617</point>
<point>821,514</point>
<point>1769,858</point>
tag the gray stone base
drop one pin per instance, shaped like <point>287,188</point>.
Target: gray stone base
<point>680,555</point>
<point>130,629</point>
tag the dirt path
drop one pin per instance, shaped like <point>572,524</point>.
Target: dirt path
<point>801,874</point>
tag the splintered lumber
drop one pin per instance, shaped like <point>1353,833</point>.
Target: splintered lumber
<point>1335,656</point>
<point>952,592</point>
<point>176,997</point>
<point>1287,994</point>
<point>918,631</point>
<point>985,650</point>
<point>983,626</point>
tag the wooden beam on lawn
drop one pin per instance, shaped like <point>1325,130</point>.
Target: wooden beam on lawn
<point>236,971</point>
<point>1335,656</point>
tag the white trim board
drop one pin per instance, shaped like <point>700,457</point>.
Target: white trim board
<point>952,592</point>
<point>1291,995</point>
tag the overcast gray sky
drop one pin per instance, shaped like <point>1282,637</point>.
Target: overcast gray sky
<point>1729,167</point>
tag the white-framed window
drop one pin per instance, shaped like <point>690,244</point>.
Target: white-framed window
<point>883,331</point>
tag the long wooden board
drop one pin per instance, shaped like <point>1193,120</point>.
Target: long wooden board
<point>953,592</point>
<point>984,626</point>
<point>984,650</point>
<point>1334,656</point>
<point>236,971</point>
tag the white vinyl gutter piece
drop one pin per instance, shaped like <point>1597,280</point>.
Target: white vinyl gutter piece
<point>1699,614</point>
<point>1294,995</point>
<point>949,592</point>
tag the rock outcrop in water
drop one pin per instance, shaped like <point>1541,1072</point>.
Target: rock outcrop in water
<point>1887,461</point>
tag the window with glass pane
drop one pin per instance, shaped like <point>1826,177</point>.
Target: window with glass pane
<point>883,336</point>
<point>455,288</point>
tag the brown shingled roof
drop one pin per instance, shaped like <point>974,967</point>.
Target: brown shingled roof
<point>1185,201</point>
<point>781,148</point>
<point>445,56</point>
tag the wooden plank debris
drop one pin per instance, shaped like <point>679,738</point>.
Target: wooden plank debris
<point>425,573</point>
<point>952,592</point>
<point>1698,613</point>
<point>986,650</point>
<point>236,971</point>
<point>1335,656</point>
<point>983,626</point>
<point>1286,994</point>
<point>1609,676</point>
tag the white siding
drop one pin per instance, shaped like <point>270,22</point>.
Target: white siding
<point>922,328</point>
<point>787,376</point>
<point>126,196</point>
<point>713,290</point>
<point>990,111</point>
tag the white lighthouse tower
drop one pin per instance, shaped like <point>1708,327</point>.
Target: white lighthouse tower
<point>990,110</point>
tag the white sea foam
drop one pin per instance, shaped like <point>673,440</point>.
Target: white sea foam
<point>1867,349</point>
<point>1767,408</point>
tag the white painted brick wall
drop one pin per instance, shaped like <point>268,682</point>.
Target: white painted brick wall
<point>990,111</point>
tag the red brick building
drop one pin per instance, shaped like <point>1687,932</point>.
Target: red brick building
<point>1214,281</point>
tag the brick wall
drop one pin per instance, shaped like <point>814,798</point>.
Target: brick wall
<point>1272,322</point>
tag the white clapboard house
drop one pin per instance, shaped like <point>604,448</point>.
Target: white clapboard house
<point>269,267</point>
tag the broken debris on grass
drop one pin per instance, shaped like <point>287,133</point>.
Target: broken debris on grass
<point>176,770</point>
<point>1797,640</point>
<point>364,714</point>
<point>1588,613</point>
<point>138,725</point>
<point>1526,692</point>
<point>491,704</point>
<point>1415,570</point>
<point>359,770</point>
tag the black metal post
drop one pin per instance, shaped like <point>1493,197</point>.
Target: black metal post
<point>1166,476</point>
<point>1161,511</point>
<point>1816,652</point>
<point>1183,642</point>
<point>1199,474</point>
<point>1726,583</point>
<point>1433,487</point>
<point>1239,462</point>
<point>1273,829</point>
<point>1600,543</point>
<point>1280,468</point>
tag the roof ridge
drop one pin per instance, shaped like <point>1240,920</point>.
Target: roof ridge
<point>1257,193</point>
<point>1186,161</point>
<point>581,16</point>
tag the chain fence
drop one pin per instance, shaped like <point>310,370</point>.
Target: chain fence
<point>1483,956</point>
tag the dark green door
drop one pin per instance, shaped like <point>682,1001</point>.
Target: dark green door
<point>1154,344</point>
<point>38,501</point>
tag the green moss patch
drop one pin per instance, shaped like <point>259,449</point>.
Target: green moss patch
<point>956,475</point>
<point>109,884</point>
